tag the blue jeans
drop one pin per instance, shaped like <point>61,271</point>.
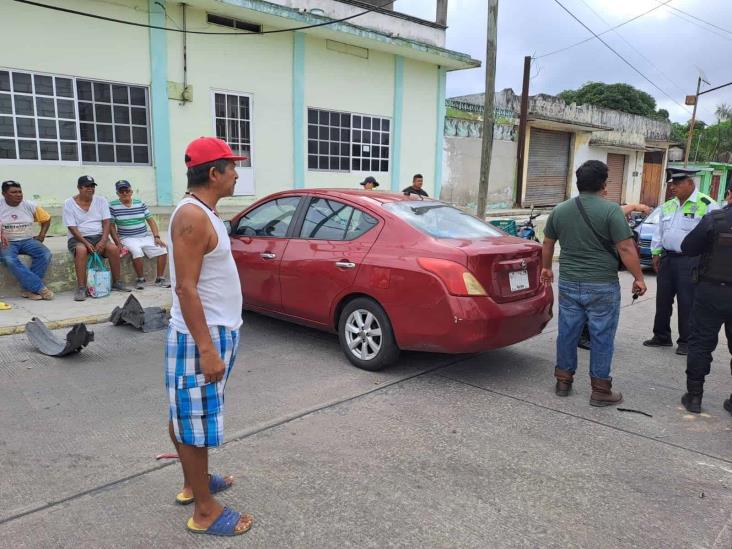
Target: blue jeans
<point>30,279</point>
<point>598,304</point>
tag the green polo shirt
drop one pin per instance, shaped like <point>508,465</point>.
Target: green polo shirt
<point>583,257</point>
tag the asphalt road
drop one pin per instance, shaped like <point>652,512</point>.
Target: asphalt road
<point>438,451</point>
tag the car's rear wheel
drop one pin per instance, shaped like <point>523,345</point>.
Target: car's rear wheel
<point>366,335</point>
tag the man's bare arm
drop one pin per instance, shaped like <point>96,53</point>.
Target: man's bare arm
<point>192,234</point>
<point>629,257</point>
<point>547,256</point>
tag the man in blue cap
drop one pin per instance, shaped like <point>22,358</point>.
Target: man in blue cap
<point>679,216</point>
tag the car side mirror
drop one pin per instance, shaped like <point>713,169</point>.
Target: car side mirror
<point>227,224</point>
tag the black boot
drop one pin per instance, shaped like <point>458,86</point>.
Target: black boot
<point>693,398</point>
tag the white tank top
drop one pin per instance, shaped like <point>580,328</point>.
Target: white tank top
<point>218,284</point>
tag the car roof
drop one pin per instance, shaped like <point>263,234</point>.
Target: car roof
<point>355,195</point>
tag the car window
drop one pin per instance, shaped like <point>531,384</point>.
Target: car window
<point>440,220</point>
<point>326,220</point>
<point>332,220</point>
<point>270,219</point>
<point>361,222</point>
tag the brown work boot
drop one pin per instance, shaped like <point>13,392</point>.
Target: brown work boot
<point>602,392</point>
<point>564,382</point>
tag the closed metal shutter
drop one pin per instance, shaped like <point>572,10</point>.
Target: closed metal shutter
<point>615,176</point>
<point>546,178</point>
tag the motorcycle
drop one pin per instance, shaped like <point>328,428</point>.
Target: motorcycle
<point>526,229</point>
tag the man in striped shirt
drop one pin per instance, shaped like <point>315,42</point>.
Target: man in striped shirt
<point>131,218</point>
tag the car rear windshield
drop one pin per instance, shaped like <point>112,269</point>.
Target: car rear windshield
<point>440,220</point>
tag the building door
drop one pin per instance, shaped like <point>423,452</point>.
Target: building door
<point>546,178</point>
<point>652,177</point>
<point>714,189</point>
<point>615,176</point>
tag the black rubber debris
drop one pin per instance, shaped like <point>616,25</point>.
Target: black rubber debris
<point>148,319</point>
<point>42,339</point>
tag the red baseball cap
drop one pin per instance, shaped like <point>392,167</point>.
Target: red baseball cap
<point>207,149</point>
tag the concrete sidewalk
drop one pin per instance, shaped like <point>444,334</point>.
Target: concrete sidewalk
<point>63,311</point>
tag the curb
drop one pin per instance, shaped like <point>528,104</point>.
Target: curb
<point>65,322</point>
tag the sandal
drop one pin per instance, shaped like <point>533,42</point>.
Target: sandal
<point>216,484</point>
<point>5,306</point>
<point>225,525</point>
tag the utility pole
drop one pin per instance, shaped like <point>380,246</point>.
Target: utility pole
<point>488,107</point>
<point>693,114</point>
<point>691,125</point>
<point>523,118</point>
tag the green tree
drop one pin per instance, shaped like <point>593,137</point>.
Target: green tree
<point>620,97</point>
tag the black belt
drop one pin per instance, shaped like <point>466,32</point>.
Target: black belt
<point>673,254</point>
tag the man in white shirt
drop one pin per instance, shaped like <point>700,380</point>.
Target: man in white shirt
<point>87,218</point>
<point>18,218</point>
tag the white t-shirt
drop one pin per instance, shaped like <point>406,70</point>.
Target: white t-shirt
<point>18,221</point>
<point>87,222</point>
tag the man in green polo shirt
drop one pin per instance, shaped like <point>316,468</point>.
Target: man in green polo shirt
<point>592,233</point>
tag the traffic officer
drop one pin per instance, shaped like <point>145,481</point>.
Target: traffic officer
<point>712,239</point>
<point>678,217</point>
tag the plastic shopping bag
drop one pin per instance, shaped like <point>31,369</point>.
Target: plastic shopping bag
<point>98,277</point>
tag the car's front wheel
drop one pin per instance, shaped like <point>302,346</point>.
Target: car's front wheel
<point>366,336</point>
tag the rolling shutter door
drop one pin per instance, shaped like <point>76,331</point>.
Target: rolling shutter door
<point>546,179</point>
<point>615,177</point>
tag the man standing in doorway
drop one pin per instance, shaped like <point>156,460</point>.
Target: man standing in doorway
<point>679,216</point>
<point>203,335</point>
<point>416,187</point>
<point>592,232</point>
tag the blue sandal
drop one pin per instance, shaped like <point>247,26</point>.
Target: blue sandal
<point>225,525</point>
<point>216,484</point>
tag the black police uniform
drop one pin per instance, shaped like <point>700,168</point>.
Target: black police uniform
<point>712,239</point>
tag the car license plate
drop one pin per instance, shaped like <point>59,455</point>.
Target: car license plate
<point>519,280</point>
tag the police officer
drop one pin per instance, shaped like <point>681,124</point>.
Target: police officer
<point>712,239</point>
<point>678,217</point>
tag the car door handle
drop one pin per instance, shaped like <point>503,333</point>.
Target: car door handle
<point>345,265</point>
<point>268,255</point>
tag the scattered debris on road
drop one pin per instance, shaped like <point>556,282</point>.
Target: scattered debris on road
<point>166,456</point>
<point>42,339</point>
<point>149,319</point>
<point>634,411</point>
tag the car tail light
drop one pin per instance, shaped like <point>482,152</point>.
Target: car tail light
<point>457,278</point>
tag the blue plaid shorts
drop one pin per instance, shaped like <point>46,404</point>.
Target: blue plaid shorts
<point>197,407</point>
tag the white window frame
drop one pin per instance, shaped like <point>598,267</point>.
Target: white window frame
<point>351,143</point>
<point>246,184</point>
<point>113,143</point>
<point>79,162</point>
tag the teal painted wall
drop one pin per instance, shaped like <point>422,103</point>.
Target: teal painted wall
<point>440,130</point>
<point>159,113</point>
<point>397,122</point>
<point>298,108</point>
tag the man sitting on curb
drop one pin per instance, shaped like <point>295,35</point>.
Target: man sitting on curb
<point>129,230</point>
<point>87,218</point>
<point>17,217</point>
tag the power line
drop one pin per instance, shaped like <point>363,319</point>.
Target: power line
<point>604,32</point>
<point>608,46</point>
<point>636,50</point>
<point>687,18</point>
<point>698,18</point>
<point>143,25</point>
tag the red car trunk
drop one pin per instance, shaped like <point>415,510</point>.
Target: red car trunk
<point>507,271</point>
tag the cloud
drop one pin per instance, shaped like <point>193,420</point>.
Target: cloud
<point>668,47</point>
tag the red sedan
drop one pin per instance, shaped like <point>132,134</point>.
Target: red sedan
<point>388,272</point>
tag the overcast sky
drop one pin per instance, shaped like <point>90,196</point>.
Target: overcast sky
<point>668,47</point>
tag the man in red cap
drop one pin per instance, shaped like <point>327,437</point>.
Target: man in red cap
<point>204,333</point>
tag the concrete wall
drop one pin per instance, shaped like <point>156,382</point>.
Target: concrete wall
<point>461,172</point>
<point>69,45</point>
